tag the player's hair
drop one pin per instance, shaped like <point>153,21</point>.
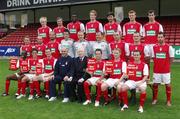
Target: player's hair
<point>93,11</point>
<point>48,49</point>
<point>131,11</point>
<point>98,50</point>
<point>161,33</point>
<point>136,33</point>
<point>59,18</point>
<point>110,13</point>
<point>117,49</point>
<point>66,30</point>
<point>43,18</point>
<point>34,49</point>
<point>80,32</point>
<point>26,37</point>
<point>151,11</point>
<point>137,51</point>
<point>100,33</point>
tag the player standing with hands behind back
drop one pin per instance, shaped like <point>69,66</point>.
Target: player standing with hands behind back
<point>163,55</point>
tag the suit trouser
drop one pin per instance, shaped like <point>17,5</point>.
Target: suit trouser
<point>77,86</point>
<point>58,80</point>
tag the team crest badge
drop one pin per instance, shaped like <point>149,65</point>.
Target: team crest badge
<point>97,66</point>
<point>150,27</point>
<point>160,49</point>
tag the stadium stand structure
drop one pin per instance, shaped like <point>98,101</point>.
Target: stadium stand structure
<point>171,27</point>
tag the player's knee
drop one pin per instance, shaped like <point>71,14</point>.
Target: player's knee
<point>119,88</point>
<point>104,86</point>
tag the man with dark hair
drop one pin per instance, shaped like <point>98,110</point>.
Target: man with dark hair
<point>111,27</point>
<point>163,55</point>
<point>29,77</point>
<point>137,73</point>
<point>151,30</point>
<point>53,45</point>
<point>27,46</point>
<point>74,27</point>
<point>22,64</point>
<point>96,79</point>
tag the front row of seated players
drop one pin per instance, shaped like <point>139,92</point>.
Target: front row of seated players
<point>75,72</point>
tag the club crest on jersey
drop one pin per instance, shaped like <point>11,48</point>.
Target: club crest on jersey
<point>43,30</point>
<point>91,25</point>
<point>116,65</point>
<point>66,63</point>
<point>73,26</point>
<point>131,26</point>
<point>97,66</point>
<point>150,27</point>
<point>136,48</point>
<point>160,49</point>
<point>110,27</point>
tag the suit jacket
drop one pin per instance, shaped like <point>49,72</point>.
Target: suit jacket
<point>79,67</point>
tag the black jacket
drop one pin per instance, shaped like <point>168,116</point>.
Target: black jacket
<point>79,67</point>
<point>64,67</point>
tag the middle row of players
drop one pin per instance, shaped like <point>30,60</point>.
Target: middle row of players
<point>89,47</point>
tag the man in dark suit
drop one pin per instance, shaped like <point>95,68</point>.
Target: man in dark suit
<point>80,65</point>
<point>63,71</point>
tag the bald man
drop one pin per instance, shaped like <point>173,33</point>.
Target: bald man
<point>63,72</point>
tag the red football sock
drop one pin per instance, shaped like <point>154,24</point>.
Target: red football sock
<point>105,93</point>
<point>19,87</point>
<point>155,92</point>
<point>47,87</point>
<point>142,99</point>
<point>31,86</point>
<point>120,97</point>
<point>23,84</point>
<point>168,93</point>
<point>98,95</point>
<point>37,87</point>
<point>7,86</point>
<point>87,91</point>
<point>125,97</point>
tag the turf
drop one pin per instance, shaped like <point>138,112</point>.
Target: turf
<point>10,108</point>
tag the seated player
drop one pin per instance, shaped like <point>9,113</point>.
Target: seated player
<point>29,77</point>
<point>22,64</point>
<point>48,64</point>
<point>137,73</point>
<point>96,79</point>
<point>119,73</point>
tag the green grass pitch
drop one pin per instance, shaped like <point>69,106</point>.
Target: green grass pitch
<point>10,108</point>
